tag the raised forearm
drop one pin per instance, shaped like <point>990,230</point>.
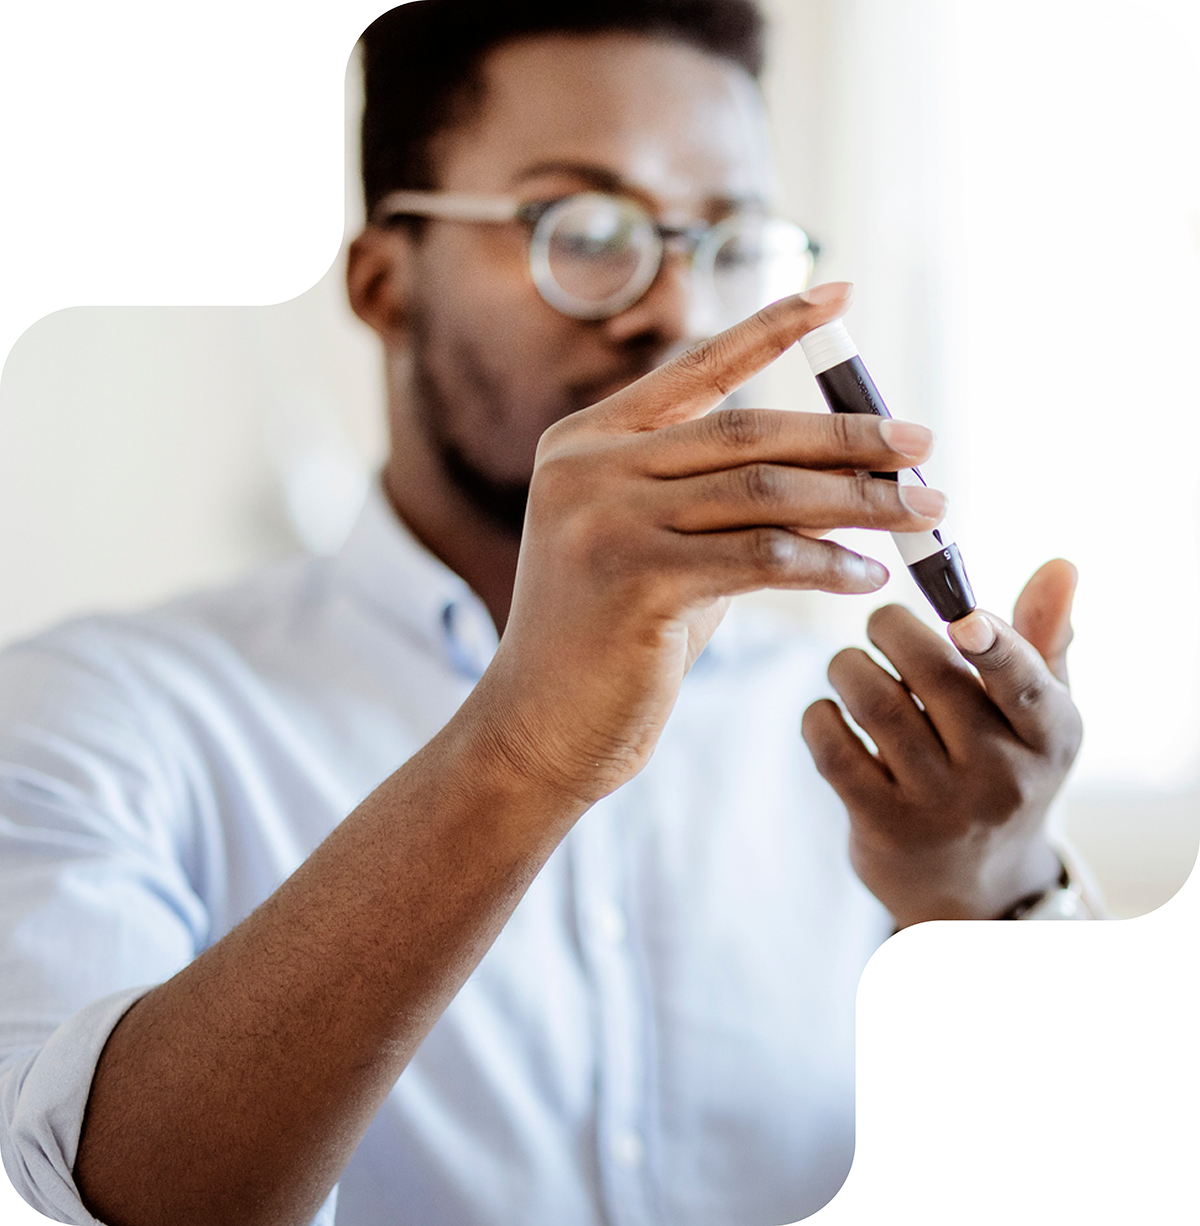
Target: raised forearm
<point>237,1091</point>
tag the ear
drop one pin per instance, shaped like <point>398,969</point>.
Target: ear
<point>378,272</point>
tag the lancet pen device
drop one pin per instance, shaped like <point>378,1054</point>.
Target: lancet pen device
<point>932,558</point>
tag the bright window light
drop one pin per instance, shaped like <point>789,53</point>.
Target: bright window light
<point>1076,329</point>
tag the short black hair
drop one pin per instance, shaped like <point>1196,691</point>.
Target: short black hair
<point>421,64</point>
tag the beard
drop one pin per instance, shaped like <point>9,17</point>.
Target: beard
<point>499,500</point>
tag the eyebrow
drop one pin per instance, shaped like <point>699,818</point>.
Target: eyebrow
<point>598,176</point>
<point>601,178</point>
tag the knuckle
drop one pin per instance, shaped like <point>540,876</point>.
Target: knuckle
<point>772,550</point>
<point>551,436</point>
<point>735,428</point>
<point>1031,693</point>
<point>556,477</point>
<point>867,493</point>
<point>760,484</point>
<point>773,325</point>
<point>767,319</point>
<point>562,436</point>
<point>706,361</point>
<point>1012,789</point>
<point>840,432</point>
<point>577,536</point>
<point>888,712</point>
<point>698,357</point>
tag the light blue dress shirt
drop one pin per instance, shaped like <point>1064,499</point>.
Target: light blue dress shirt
<point>663,1032</point>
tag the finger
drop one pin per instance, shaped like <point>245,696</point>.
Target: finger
<point>833,441</point>
<point>954,700</point>
<point>700,379</point>
<point>842,759</point>
<point>1043,613</point>
<point>884,709</point>
<point>1017,679</point>
<point>795,497</point>
<point>713,564</point>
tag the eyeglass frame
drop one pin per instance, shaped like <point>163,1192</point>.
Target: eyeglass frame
<point>496,209</point>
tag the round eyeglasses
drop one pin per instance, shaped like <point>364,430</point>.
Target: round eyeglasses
<point>593,255</point>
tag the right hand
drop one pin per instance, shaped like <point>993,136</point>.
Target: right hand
<point>646,513</point>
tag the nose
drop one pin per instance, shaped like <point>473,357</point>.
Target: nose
<point>673,313</point>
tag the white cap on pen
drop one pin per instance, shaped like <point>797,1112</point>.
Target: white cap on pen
<point>828,346</point>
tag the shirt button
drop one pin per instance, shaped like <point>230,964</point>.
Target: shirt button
<point>627,1149</point>
<point>610,923</point>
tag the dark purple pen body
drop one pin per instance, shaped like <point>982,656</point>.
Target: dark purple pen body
<point>932,557</point>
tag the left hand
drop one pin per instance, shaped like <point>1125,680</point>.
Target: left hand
<point>947,818</point>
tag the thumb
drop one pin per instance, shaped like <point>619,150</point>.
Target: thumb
<point>1043,613</point>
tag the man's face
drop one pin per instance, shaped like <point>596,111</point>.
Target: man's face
<point>492,364</point>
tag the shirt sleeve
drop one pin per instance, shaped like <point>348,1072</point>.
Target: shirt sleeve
<point>42,1098</point>
<point>95,902</point>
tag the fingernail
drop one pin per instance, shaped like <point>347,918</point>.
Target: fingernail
<point>831,291</point>
<point>907,438</point>
<point>923,501</point>
<point>973,634</point>
<point>875,573</point>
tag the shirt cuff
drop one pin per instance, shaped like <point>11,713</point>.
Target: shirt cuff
<point>43,1095</point>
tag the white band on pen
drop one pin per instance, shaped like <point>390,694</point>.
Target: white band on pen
<point>828,346</point>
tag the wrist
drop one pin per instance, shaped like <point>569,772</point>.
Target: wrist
<point>956,881</point>
<point>1072,897</point>
<point>571,730</point>
<point>498,755</point>
<point>1036,874</point>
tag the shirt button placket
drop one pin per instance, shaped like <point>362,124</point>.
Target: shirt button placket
<point>623,1076</point>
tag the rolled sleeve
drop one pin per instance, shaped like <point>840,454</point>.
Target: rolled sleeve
<point>43,1095</point>
<point>95,905</point>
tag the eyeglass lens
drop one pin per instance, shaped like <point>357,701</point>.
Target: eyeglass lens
<point>595,255</point>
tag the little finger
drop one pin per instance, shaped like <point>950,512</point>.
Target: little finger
<point>717,564</point>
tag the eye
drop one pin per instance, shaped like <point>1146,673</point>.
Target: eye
<point>594,227</point>
<point>738,251</point>
<point>594,236</point>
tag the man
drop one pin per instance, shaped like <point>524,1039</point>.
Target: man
<point>601,917</point>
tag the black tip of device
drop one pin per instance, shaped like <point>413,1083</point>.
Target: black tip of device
<point>943,579</point>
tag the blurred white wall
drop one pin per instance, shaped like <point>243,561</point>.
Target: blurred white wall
<point>1013,193</point>
<point>143,450</point>
<point>147,450</point>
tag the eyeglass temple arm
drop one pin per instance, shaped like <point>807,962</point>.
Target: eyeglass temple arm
<point>463,206</point>
<point>446,206</point>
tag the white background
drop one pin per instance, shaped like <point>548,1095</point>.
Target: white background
<point>1007,1073</point>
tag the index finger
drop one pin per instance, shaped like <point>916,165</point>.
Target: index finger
<point>1036,704</point>
<point>698,380</point>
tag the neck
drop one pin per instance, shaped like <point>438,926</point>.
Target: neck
<point>445,521</point>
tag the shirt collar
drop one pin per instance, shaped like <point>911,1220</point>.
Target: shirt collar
<point>411,587</point>
<point>405,582</point>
